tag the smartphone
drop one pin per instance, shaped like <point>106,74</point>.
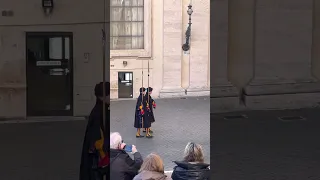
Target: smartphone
<point>128,148</point>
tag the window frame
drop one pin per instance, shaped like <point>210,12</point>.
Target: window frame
<point>146,51</point>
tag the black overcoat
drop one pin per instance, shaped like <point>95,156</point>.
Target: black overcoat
<point>93,134</point>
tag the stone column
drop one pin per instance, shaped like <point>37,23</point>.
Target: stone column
<point>157,46</point>
<point>283,56</point>
<point>199,55</point>
<point>223,94</point>
<point>172,39</point>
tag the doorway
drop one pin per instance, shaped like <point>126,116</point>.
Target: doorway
<point>125,85</point>
<point>49,74</point>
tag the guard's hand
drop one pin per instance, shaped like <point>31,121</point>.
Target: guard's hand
<point>154,105</point>
<point>134,149</point>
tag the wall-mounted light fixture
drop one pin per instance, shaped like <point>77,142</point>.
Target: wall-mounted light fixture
<point>186,46</point>
<point>47,6</point>
<point>125,63</point>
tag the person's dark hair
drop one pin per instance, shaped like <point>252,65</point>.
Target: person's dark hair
<point>150,89</point>
<point>142,89</point>
<point>98,90</point>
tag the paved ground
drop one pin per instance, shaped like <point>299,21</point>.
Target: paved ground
<point>258,147</point>
<point>178,121</point>
<point>265,148</point>
<point>51,150</point>
<point>41,151</point>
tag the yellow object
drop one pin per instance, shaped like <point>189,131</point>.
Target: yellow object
<point>99,145</point>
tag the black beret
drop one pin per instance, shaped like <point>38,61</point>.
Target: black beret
<point>150,89</point>
<point>142,89</point>
<point>98,90</point>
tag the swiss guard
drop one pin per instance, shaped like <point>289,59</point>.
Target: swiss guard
<point>150,104</point>
<point>139,113</point>
<point>95,156</point>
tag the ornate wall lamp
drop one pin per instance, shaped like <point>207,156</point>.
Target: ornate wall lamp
<point>47,6</point>
<point>186,46</point>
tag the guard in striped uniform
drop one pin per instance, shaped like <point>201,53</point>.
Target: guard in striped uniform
<point>149,115</point>
<point>139,113</point>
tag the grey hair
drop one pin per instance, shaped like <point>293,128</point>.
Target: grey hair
<point>115,140</point>
<point>193,153</point>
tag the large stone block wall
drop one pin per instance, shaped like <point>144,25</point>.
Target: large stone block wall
<point>270,54</point>
<point>172,71</point>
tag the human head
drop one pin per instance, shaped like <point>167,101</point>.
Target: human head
<point>152,162</point>
<point>142,90</point>
<point>150,89</point>
<point>193,153</point>
<point>98,90</point>
<point>115,140</point>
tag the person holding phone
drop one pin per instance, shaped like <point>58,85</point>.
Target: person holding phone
<point>122,166</point>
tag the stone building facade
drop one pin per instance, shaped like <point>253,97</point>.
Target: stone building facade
<point>265,54</point>
<point>50,60</point>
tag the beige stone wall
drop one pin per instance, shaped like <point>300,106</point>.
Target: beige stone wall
<point>185,73</point>
<point>67,17</point>
<point>266,54</point>
<point>172,72</point>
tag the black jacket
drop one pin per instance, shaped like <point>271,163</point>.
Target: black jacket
<point>190,171</point>
<point>92,134</point>
<point>122,167</point>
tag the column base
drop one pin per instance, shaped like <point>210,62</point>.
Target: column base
<point>198,92</point>
<point>224,104</point>
<point>282,96</point>
<point>283,88</point>
<point>224,90</point>
<point>170,92</point>
<point>224,97</point>
<point>283,101</point>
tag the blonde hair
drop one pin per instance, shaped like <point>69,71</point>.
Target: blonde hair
<point>193,153</point>
<point>152,162</point>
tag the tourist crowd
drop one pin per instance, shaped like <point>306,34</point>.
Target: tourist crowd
<point>123,167</point>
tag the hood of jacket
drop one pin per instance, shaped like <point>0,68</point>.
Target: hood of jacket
<point>191,171</point>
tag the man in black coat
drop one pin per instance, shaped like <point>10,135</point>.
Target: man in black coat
<point>149,115</point>
<point>122,167</point>
<point>95,156</point>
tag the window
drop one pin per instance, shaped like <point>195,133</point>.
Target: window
<point>55,48</point>
<point>126,24</point>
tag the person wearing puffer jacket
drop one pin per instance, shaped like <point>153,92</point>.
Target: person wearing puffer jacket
<point>192,167</point>
<point>152,169</point>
